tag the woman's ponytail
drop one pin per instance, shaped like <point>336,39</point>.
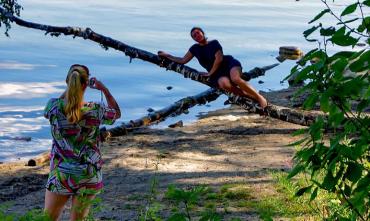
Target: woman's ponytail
<point>76,80</point>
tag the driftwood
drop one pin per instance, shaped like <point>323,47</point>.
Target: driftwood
<point>282,113</point>
<point>157,116</point>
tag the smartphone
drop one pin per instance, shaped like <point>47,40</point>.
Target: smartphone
<point>91,82</point>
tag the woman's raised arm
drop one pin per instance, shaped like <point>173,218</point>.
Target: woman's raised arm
<point>187,57</point>
<point>112,103</point>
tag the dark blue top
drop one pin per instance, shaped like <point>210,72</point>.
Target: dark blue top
<point>206,54</point>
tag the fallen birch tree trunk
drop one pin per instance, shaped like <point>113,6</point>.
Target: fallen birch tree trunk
<point>158,116</point>
<point>282,113</point>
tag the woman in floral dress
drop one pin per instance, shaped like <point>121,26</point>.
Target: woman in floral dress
<point>75,165</point>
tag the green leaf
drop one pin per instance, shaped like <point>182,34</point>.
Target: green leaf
<point>308,56</point>
<point>299,132</point>
<point>342,39</point>
<point>298,142</point>
<point>336,118</point>
<point>298,168</point>
<point>367,3</point>
<point>362,63</point>
<point>364,25</point>
<point>329,181</point>
<point>314,194</point>
<point>310,31</point>
<point>303,190</point>
<point>178,217</point>
<point>311,101</point>
<point>347,190</point>
<point>324,102</point>
<point>357,54</point>
<point>303,74</point>
<point>321,54</point>
<point>341,31</point>
<point>349,9</point>
<point>306,153</point>
<point>338,68</point>
<point>358,199</point>
<point>341,54</point>
<point>354,172</point>
<point>348,21</point>
<point>363,104</point>
<point>294,71</point>
<point>351,87</point>
<point>327,31</point>
<point>363,183</point>
<point>316,129</point>
<point>318,16</point>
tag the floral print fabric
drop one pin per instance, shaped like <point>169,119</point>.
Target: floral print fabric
<point>76,160</point>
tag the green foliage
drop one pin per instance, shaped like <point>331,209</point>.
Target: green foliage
<point>186,200</point>
<point>339,85</point>
<point>31,215</point>
<point>152,207</point>
<point>9,6</point>
<point>94,204</point>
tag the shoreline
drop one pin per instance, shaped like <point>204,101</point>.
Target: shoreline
<point>225,146</point>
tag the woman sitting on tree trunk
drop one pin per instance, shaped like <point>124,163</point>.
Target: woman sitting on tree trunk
<point>224,71</point>
<point>75,164</point>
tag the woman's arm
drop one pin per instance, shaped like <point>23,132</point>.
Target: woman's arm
<point>112,103</point>
<point>187,57</point>
<point>216,64</point>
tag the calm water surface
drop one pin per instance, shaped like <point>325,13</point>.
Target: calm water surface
<point>33,66</point>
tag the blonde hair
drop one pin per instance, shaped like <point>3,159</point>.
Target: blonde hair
<point>77,77</point>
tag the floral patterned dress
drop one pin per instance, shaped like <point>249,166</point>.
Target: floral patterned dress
<point>75,158</point>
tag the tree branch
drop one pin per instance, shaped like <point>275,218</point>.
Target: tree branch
<point>158,116</point>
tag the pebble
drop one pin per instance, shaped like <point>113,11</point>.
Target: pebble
<point>22,138</point>
<point>177,124</point>
<point>361,44</point>
<point>31,163</point>
<point>169,87</point>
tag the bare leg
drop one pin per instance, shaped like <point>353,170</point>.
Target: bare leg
<point>54,204</point>
<point>235,75</point>
<point>81,206</point>
<point>224,83</point>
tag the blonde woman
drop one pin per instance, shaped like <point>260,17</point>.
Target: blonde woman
<point>75,165</point>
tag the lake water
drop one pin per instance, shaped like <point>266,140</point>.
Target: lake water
<point>33,66</point>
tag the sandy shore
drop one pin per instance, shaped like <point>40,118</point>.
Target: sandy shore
<point>224,147</point>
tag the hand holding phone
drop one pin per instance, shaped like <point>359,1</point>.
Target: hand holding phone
<point>91,83</point>
<point>96,84</point>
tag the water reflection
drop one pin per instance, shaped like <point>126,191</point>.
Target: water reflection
<point>21,90</point>
<point>15,65</point>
